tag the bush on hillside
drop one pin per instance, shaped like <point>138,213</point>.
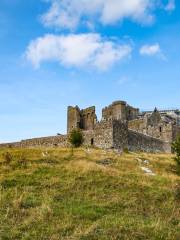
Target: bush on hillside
<point>76,138</point>
<point>176,149</point>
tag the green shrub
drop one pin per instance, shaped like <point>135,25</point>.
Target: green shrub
<point>176,149</point>
<point>76,138</point>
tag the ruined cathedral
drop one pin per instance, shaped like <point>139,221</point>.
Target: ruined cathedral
<point>125,127</point>
<point>121,127</point>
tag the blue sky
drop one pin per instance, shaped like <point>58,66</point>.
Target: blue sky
<point>56,53</point>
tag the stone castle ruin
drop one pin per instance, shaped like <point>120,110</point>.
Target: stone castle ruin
<point>86,119</point>
<point>125,127</point>
<point>121,127</point>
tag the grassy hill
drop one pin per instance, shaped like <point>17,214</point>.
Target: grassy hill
<point>88,195</point>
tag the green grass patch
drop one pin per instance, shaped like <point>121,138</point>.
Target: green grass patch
<point>95,195</point>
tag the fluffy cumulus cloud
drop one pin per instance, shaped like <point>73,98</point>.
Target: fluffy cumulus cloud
<point>152,50</point>
<point>70,13</point>
<point>76,50</point>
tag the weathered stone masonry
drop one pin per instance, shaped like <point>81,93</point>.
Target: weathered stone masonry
<point>140,142</point>
<point>121,127</point>
<point>101,136</point>
<point>116,135</point>
<point>54,141</point>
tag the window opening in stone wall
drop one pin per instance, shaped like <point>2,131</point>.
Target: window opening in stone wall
<point>92,141</point>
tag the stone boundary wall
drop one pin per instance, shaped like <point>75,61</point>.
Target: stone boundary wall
<point>13,144</point>
<point>53,141</point>
<point>100,137</point>
<point>140,142</point>
<point>107,134</point>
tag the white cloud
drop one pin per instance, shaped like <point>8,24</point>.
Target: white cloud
<point>150,50</point>
<point>76,50</point>
<point>70,13</point>
<point>170,6</point>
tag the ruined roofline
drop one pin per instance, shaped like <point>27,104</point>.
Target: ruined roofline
<point>132,107</point>
<point>75,107</point>
<point>116,103</point>
<point>121,102</point>
<point>162,111</point>
<point>94,107</point>
<point>83,109</point>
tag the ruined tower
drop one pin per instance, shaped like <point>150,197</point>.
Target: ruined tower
<point>84,119</point>
<point>119,110</point>
<point>73,118</point>
<point>88,118</point>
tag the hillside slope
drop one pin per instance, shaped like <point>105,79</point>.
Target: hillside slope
<point>50,194</point>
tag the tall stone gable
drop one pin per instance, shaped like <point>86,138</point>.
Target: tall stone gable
<point>155,118</point>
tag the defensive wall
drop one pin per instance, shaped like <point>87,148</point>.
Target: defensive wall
<point>111,134</point>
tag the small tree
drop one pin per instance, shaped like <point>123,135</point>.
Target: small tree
<point>76,138</point>
<point>176,149</point>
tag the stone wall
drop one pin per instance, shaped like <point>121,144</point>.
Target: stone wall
<point>120,135</point>
<point>176,132</point>
<point>9,145</point>
<point>106,134</point>
<point>54,141</point>
<point>135,141</point>
<point>132,113</point>
<point>154,119</point>
<point>161,130</point>
<point>140,142</point>
<point>137,125</point>
<point>101,136</point>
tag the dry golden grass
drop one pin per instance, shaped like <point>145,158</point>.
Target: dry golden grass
<point>87,194</point>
